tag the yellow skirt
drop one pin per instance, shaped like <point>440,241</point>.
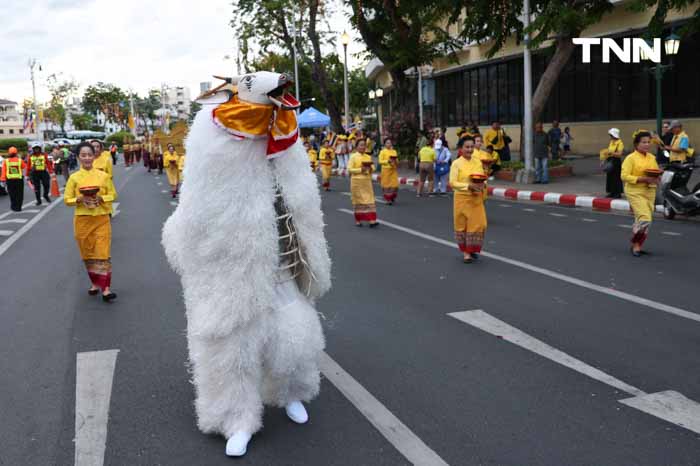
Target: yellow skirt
<point>469,222</point>
<point>173,175</point>
<point>642,203</point>
<point>390,183</point>
<point>363,199</point>
<point>326,171</point>
<point>93,233</point>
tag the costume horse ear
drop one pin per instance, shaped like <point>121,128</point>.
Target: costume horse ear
<point>221,93</point>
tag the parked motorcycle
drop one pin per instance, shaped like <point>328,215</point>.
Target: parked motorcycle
<point>677,198</point>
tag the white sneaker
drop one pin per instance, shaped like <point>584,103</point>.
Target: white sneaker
<point>237,445</point>
<point>296,412</point>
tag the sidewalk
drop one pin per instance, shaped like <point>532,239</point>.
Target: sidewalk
<point>585,189</point>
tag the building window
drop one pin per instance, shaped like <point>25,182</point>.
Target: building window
<point>21,131</point>
<point>12,131</point>
<point>2,131</point>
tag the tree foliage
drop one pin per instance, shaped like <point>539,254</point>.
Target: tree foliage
<point>662,8</point>
<point>109,99</point>
<point>60,91</point>
<point>82,121</point>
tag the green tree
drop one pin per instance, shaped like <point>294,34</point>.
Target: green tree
<point>661,10</point>
<point>108,99</point>
<point>83,121</point>
<point>195,107</point>
<point>269,26</point>
<point>60,91</point>
<point>146,107</point>
<point>405,34</point>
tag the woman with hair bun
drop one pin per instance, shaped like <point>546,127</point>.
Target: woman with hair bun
<point>641,173</point>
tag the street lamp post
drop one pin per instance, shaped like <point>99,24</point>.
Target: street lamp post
<point>671,45</point>
<point>376,97</point>
<point>32,64</point>
<point>345,40</point>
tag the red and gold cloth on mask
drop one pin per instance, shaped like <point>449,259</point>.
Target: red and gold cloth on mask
<point>255,121</point>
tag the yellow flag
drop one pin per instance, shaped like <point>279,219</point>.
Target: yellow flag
<point>132,123</point>
<point>41,115</point>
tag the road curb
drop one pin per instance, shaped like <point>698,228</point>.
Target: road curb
<point>603,204</point>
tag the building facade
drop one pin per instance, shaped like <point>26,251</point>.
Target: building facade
<point>588,97</point>
<point>11,121</point>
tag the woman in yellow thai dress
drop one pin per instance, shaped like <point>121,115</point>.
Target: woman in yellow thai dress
<point>326,157</point>
<point>313,156</point>
<point>640,174</point>
<point>467,179</point>
<point>170,162</point>
<point>612,157</point>
<point>360,168</point>
<point>91,192</point>
<point>181,166</point>
<point>389,161</point>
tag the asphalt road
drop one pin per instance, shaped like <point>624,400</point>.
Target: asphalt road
<point>469,396</point>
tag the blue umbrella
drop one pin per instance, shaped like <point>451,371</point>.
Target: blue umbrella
<point>312,118</point>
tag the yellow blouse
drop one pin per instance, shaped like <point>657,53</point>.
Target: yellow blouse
<point>181,163</point>
<point>326,156</point>
<point>634,166</point>
<point>385,156</point>
<point>616,145</point>
<point>492,135</point>
<point>313,156</point>
<point>104,163</point>
<point>355,166</point>
<point>91,177</point>
<point>170,157</point>
<point>460,173</point>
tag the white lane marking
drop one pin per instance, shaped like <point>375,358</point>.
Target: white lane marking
<point>629,227</point>
<point>6,232</point>
<point>14,220</point>
<point>160,183</point>
<point>669,233</point>
<point>507,206</point>
<point>492,325</point>
<point>164,191</point>
<point>27,204</point>
<point>589,220</point>
<point>115,209</point>
<point>668,405</point>
<point>28,211</point>
<point>380,201</point>
<point>173,203</point>
<point>556,275</point>
<point>127,168</point>
<point>395,431</point>
<point>25,228</point>
<point>93,391</point>
<point>529,210</point>
<point>553,214</point>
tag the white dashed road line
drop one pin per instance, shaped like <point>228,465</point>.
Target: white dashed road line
<point>589,220</point>
<point>669,233</point>
<point>14,220</point>
<point>529,210</point>
<point>629,227</point>
<point>553,214</point>
<point>507,206</point>
<point>552,274</point>
<point>6,232</point>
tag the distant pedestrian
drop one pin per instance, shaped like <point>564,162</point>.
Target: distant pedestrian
<point>389,162</point>
<point>640,173</point>
<point>61,163</point>
<point>426,158</point>
<point>566,139</point>
<point>443,137</point>
<point>496,137</point>
<point>92,192</point>
<point>341,151</point>
<point>554,134</point>
<point>442,167</point>
<point>171,160</point>
<point>39,171</point>
<point>611,161</point>
<point>157,152</point>
<point>113,151</point>
<point>665,139</point>
<point>421,142</point>
<point>12,168</point>
<point>361,167</point>
<point>325,158</point>
<point>540,147</point>
<point>679,149</point>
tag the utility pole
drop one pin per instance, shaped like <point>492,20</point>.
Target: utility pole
<point>345,40</point>
<point>420,98</point>
<point>295,53</point>
<point>526,150</point>
<point>32,64</point>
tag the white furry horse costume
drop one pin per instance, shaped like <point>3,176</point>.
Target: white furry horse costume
<point>253,334</point>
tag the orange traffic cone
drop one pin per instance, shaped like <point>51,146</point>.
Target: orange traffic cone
<point>54,186</point>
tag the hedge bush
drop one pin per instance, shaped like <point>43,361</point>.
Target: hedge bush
<point>19,143</point>
<point>118,137</point>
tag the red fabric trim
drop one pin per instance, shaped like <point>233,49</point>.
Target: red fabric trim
<point>639,238</point>
<point>462,247</point>
<point>101,281</point>
<point>472,249</point>
<point>274,146</point>
<point>366,217</point>
<point>390,196</point>
<point>489,190</point>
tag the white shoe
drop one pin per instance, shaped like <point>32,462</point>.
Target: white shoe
<point>237,445</point>
<point>296,412</point>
